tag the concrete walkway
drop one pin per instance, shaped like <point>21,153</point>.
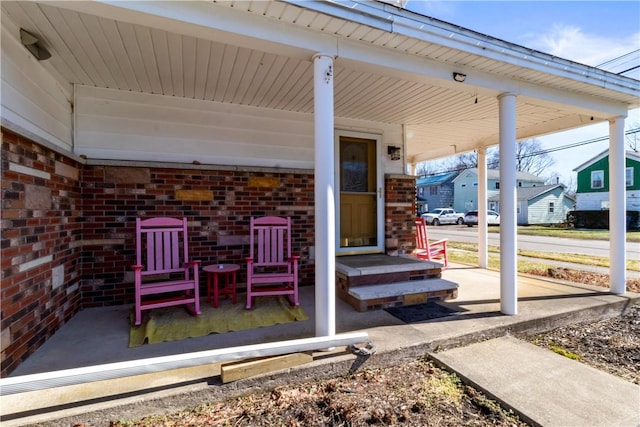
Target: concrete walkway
<point>545,388</point>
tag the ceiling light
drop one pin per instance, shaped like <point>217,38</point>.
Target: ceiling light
<point>459,77</point>
<point>32,43</point>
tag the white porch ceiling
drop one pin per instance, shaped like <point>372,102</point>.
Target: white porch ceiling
<point>96,45</point>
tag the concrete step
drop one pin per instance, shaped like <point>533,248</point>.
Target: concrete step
<point>379,296</point>
<point>378,269</point>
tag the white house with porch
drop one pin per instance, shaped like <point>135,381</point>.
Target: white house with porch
<point>316,109</point>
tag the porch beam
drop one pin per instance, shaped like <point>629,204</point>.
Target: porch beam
<point>372,59</point>
<point>508,212</point>
<point>325,210</point>
<point>483,227</point>
<point>617,208</point>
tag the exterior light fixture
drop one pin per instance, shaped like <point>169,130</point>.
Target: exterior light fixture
<point>459,77</point>
<point>32,43</point>
<point>393,152</point>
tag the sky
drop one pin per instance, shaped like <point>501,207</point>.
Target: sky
<point>588,32</point>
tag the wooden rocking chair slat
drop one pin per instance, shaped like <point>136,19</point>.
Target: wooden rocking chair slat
<point>271,261</point>
<point>431,251</point>
<point>162,249</point>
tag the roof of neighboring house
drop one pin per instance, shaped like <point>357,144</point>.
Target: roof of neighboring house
<point>495,174</point>
<point>436,179</point>
<point>629,155</point>
<point>528,193</point>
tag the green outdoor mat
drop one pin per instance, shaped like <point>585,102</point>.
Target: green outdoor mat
<point>176,323</point>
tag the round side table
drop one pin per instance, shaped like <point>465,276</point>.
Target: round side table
<point>226,270</point>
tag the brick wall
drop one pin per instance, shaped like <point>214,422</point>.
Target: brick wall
<point>40,246</point>
<point>68,229</point>
<point>217,203</point>
<point>400,214</point>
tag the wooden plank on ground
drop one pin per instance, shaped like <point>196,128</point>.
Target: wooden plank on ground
<point>245,369</point>
<point>39,399</point>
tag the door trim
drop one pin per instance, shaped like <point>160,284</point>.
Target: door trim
<point>379,248</point>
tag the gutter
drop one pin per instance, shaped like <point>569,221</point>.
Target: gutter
<point>391,19</point>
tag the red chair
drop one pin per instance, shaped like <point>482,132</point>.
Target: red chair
<point>163,274</point>
<point>431,251</point>
<point>271,268</point>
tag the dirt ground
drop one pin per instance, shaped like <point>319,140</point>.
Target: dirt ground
<point>418,393</point>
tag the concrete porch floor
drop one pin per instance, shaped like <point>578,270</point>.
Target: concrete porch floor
<point>97,336</point>
<point>100,335</point>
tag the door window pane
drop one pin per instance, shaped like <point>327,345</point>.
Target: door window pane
<point>355,171</point>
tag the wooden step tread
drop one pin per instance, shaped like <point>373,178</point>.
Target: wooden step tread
<point>401,288</point>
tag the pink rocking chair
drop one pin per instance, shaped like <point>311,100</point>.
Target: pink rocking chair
<point>431,251</point>
<point>271,269</point>
<point>162,253</point>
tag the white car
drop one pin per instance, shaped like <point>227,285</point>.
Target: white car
<point>443,216</point>
<point>471,218</point>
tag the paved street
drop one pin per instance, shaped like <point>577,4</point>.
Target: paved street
<point>534,243</point>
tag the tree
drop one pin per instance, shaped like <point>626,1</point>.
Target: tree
<point>455,163</point>
<point>464,161</point>
<point>531,157</point>
<point>428,168</point>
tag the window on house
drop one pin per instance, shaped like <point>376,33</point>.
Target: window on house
<point>463,185</point>
<point>628,179</point>
<point>597,179</point>
<point>475,184</point>
<point>433,191</point>
<point>551,207</point>
<point>421,191</point>
<point>497,185</point>
<point>519,183</point>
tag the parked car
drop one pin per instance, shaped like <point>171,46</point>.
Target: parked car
<point>471,218</point>
<point>443,216</point>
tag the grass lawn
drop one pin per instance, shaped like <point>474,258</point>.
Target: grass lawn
<point>466,253</point>
<point>534,230</point>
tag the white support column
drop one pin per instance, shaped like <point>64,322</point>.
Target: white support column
<point>483,236</point>
<point>617,208</point>
<point>325,212</point>
<point>508,213</point>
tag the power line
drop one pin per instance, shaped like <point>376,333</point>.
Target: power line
<point>541,152</point>
<point>578,144</point>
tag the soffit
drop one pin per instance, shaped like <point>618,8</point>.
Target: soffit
<point>440,118</point>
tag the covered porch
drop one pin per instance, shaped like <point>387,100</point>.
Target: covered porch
<point>223,110</point>
<point>544,303</point>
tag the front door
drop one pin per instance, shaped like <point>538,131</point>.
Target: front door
<point>360,205</point>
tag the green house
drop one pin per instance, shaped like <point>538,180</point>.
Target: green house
<point>593,182</point>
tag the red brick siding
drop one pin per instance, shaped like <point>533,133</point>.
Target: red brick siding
<point>400,208</point>
<point>89,228</point>
<point>217,203</point>
<point>40,220</point>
